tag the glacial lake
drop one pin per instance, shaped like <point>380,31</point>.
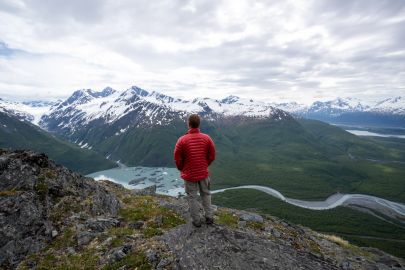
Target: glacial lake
<point>167,180</point>
<point>374,134</point>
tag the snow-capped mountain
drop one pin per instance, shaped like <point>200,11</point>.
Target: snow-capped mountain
<point>291,107</point>
<point>40,103</point>
<point>30,111</point>
<point>137,107</point>
<point>143,108</point>
<point>395,105</point>
<point>335,107</point>
<point>352,111</point>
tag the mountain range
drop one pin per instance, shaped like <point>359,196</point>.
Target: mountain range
<point>388,112</point>
<point>110,122</point>
<point>87,106</point>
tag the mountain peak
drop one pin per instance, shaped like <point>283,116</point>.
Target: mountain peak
<point>230,99</point>
<point>81,96</point>
<point>104,93</point>
<point>138,91</point>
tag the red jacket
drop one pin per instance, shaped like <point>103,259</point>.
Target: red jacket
<point>193,153</point>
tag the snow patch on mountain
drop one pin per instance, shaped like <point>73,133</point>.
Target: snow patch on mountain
<point>395,105</point>
<point>30,111</point>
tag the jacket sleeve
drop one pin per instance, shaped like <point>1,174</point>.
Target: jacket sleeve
<point>211,152</point>
<point>178,154</point>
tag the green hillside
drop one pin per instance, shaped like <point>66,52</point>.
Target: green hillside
<point>307,159</point>
<point>144,146</point>
<point>15,134</point>
<point>301,158</point>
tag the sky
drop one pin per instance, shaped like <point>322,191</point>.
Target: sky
<point>273,51</point>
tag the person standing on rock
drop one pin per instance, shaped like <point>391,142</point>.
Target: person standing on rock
<point>193,153</point>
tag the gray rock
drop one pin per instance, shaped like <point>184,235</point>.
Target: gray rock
<point>107,241</point>
<point>152,256</point>
<point>389,261</point>
<point>251,217</point>
<point>71,250</point>
<point>346,265</point>
<point>54,233</point>
<point>83,238</point>
<point>151,190</point>
<point>164,263</point>
<point>275,233</point>
<point>118,253</point>
<point>242,224</point>
<point>158,221</point>
<point>101,224</point>
<point>219,247</point>
<point>26,226</point>
<point>136,225</point>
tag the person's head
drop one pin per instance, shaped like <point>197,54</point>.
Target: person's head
<point>193,121</point>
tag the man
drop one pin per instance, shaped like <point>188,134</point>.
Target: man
<point>193,153</point>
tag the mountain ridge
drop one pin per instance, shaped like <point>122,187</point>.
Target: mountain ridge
<point>340,109</point>
<point>17,134</point>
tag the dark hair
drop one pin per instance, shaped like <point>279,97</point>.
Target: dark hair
<point>194,121</point>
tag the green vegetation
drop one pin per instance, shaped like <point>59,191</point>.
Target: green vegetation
<point>49,259</point>
<point>151,231</point>
<point>134,260</point>
<point>81,261</point>
<point>41,188</point>
<point>147,210</point>
<point>306,159</point>
<point>119,234</point>
<point>149,143</point>
<point>227,218</point>
<point>255,225</point>
<point>9,192</point>
<point>359,228</point>
<point>66,239</point>
<point>16,134</point>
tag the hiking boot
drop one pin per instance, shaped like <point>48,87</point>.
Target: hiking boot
<point>209,221</point>
<point>197,224</point>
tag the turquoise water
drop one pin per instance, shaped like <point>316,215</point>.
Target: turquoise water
<point>167,180</point>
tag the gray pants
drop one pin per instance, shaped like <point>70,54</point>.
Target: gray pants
<point>203,187</point>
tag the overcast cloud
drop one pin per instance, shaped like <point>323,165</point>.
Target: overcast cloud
<point>267,50</point>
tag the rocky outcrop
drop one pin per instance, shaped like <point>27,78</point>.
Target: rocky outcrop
<point>225,248</point>
<point>53,218</point>
<point>243,240</point>
<point>36,199</point>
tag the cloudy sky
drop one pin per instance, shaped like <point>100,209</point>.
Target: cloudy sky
<point>268,50</point>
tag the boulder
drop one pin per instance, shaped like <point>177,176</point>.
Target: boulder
<point>101,224</point>
<point>251,217</point>
<point>151,190</point>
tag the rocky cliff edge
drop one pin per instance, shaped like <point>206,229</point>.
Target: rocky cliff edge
<point>53,218</point>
